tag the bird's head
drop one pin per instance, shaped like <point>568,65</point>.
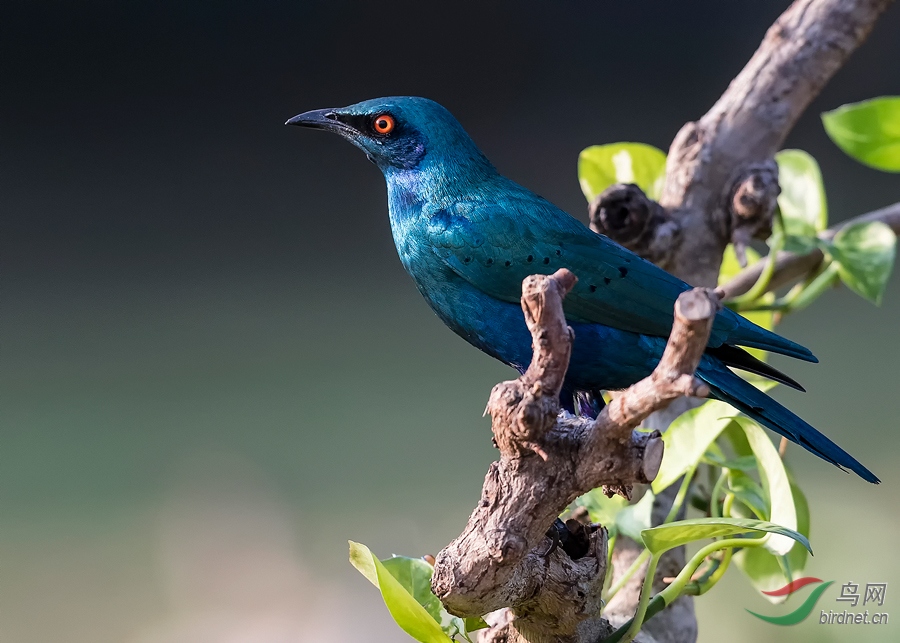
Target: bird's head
<point>400,133</point>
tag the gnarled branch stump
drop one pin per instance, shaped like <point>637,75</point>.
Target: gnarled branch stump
<point>504,557</point>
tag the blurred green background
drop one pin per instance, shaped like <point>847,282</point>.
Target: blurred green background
<point>214,369</point>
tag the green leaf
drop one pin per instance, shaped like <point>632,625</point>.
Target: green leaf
<point>730,265</point>
<point>675,534</point>
<point>600,166</point>
<point>738,439</point>
<point>868,131</point>
<point>474,623</point>
<point>414,574</point>
<point>748,492</point>
<point>634,519</point>
<point>409,614</point>
<point>865,256</point>
<point>688,438</point>
<point>801,245</point>
<point>741,463</point>
<point>802,199</point>
<point>601,509</point>
<point>775,483</point>
<point>766,571</point>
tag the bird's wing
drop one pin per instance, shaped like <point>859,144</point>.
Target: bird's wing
<point>495,247</point>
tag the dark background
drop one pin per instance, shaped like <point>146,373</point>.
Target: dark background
<point>214,369</point>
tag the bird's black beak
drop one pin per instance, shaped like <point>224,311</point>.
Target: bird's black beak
<point>326,119</point>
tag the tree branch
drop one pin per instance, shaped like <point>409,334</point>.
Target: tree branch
<point>719,189</point>
<point>799,54</point>
<point>792,266</point>
<point>719,171</point>
<point>504,557</point>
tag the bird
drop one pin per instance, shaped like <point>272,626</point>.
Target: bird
<point>468,236</point>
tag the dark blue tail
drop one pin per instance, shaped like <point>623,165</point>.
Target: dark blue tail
<point>753,336</point>
<point>728,387</point>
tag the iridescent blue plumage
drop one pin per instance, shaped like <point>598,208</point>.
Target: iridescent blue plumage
<point>469,236</point>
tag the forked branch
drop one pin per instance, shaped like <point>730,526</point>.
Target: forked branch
<point>793,266</point>
<point>720,184</point>
<point>720,187</point>
<point>504,557</point>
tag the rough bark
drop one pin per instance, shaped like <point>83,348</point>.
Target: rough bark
<point>752,205</point>
<point>504,557</point>
<point>624,213</point>
<point>799,54</point>
<point>719,167</point>
<point>720,187</point>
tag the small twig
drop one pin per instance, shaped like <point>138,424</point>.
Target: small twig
<point>674,376</point>
<point>782,447</point>
<point>791,266</point>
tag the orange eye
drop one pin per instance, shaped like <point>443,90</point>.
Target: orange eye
<point>384,124</point>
